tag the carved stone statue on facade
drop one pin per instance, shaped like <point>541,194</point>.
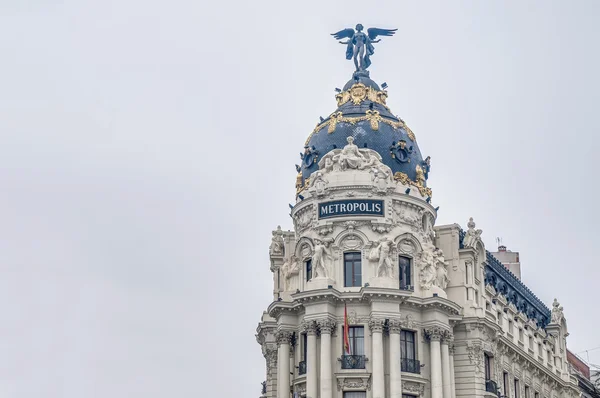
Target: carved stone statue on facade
<point>472,235</point>
<point>321,259</point>
<point>290,271</point>
<point>442,279</point>
<point>319,183</point>
<point>380,180</point>
<point>557,312</point>
<point>381,253</point>
<point>276,247</point>
<point>360,45</point>
<point>428,269</point>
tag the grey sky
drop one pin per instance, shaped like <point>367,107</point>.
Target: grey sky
<point>148,148</point>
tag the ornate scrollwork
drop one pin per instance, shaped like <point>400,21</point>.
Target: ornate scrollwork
<point>283,337</point>
<point>412,387</point>
<point>372,116</point>
<point>419,184</point>
<point>395,325</point>
<point>309,327</point>
<point>359,93</point>
<point>434,333</point>
<point>475,354</point>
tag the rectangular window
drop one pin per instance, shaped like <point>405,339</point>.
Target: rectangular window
<point>308,270</point>
<point>527,392</point>
<point>304,345</point>
<point>356,337</point>
<point>505,384</point>
<point>488,366</point>
<point>531,343</point>
<point>520,334</point>
<point>540,350</point>
<point>517,388</point>
<point>355,394</point>
<point>510,327</point>
<point>500,318</point>
<point>352,269</point>
<point>408,345</point>
<point>405,272</point>
<point>536,395</point>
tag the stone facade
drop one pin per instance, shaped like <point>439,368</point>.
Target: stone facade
<point>435,315</point>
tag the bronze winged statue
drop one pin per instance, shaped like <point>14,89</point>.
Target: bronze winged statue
<point>360,45</point>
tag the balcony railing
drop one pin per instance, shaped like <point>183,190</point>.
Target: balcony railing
<point>491,386</point>
<point>302,368</point>
<point>353,362</point>
<point>410,365</point>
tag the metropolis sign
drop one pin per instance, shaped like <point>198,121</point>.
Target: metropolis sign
<point>351,207</point>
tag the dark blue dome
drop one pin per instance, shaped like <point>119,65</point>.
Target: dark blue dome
<point>363,114</point>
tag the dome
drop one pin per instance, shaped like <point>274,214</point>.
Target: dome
<point>363,114</point>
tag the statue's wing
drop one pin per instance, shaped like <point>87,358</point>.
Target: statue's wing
<point>342,34</point>
<point>374,32</point>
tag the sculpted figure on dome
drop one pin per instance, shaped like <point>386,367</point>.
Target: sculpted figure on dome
<point>350,157</point>
<point>472,235</point>
<point>382,253</point>
<point>360,45</point>
<point>290,271</point>
<point>441,267</point>
<point>276,247</point>
<point>321,259</point>
<point>557,312</point>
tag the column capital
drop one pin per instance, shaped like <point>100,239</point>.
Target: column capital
<point>376,324</point>
<point>435,333</point>
<point>447,337</point>
<point>283,337</point>
<point>395,326</point>
<point>309,327</point>
<point>326,326</point>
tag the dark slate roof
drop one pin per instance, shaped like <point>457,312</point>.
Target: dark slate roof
<point>389,131</point>
<point>505,282</point>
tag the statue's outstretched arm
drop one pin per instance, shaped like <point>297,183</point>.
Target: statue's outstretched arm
<point>345,43</point>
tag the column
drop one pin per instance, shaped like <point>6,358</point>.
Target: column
<point>326,326</point>
<point>310,328</point>
<point>378,376</point>
<point>394,327</point>
<point>284,338</point>
<point>451,349</point>
<point>435,361</point>
<point>446,380</point>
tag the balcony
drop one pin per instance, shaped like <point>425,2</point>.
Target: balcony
<point>491,386</point>
<point>410,365</point>
<point>301,368</point>
<point>353,362</point>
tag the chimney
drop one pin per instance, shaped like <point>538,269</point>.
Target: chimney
<point>501,248</point>
<point>509,259</point>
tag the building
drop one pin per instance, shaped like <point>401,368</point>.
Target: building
<point>581,370</point>
<point>430,312</point>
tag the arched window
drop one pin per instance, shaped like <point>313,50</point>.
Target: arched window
<point>352,269</point>
<point>404,267</point>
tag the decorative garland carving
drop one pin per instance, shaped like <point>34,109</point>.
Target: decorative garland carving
<point>414,388</point>
<point>475,354</point>
<point>359,93</point>
<point>354,383</point>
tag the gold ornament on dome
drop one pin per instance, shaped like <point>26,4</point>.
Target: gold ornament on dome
<point>359,93</point>
<point>419,184</point>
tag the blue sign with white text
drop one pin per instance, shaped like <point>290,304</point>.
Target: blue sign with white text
<point>351,207</point>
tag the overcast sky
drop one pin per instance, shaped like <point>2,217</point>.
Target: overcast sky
<point>148,147</point>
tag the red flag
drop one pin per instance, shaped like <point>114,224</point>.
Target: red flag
<point>346,331</point>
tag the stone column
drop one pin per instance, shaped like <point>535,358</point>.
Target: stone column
<point>378,376</point>
<point>446,379</point>
<point>284,338</point>
<point>435,361</point>
<point>310,328</point>
<point>453,384</point>
<point>394,327</point>
<point>326,326</point>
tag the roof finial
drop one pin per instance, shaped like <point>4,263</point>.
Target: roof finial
<point>360,45</point>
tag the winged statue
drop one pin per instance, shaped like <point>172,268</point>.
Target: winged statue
<point>360,45</point>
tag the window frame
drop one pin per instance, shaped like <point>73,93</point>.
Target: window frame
<point>308,269</point>
<point>353,339</point>
<point>353,262</point>
<point>402,272</point>
<point>404,344</point>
